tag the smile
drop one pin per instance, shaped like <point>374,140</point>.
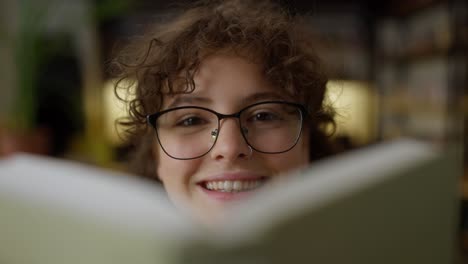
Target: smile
<point>233,186</point>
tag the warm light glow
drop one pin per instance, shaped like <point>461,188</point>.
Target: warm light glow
<point>113,109</point>
<point>355,105</point>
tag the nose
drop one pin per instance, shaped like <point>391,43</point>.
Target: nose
<point>230,144</point>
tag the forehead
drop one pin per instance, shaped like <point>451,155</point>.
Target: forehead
<point>230,70</point>
<point>227,78</point>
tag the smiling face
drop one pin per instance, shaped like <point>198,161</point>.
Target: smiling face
<point>230,171</point>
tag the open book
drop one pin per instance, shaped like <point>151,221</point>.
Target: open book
<point>390,203</point>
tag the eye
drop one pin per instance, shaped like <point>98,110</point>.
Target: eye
<point>191,121</point>
<point>265,116</point>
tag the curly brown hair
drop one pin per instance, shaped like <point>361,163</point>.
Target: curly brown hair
<point>165,60</point>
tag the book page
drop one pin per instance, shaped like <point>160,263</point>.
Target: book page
<point>391,203</point>
<point>54,211</point>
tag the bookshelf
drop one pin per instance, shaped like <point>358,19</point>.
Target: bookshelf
<point>413,77</point>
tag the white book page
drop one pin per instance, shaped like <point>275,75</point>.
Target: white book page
<point>323,183</point>
<point>391,203</point>
<point>55,211</point>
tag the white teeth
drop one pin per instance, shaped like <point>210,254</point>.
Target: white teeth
<point>232,186</point>
<point>237,186</point>
<point>227,186</point>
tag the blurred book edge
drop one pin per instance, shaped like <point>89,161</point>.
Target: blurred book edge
<point>393,202</point>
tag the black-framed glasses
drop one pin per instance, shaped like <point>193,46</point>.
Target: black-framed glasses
<point>190,132</point>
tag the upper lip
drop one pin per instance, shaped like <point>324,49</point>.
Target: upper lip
<point>232,176</point>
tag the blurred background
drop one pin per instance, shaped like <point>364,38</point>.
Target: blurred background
<point>398,68</point>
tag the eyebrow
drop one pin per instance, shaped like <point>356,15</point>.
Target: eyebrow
<point>263,96</point>
<point>189,100</point>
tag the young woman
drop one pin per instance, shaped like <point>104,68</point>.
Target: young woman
<point>225,98</point>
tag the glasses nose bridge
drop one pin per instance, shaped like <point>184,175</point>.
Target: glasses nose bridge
<point>235,116</point>
<point>223,116</point>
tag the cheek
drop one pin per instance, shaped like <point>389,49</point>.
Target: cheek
<point>174,173</point>
<point>176,176</point>
<point>294,159</point>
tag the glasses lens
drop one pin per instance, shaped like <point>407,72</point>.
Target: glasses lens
<point>186,133</point>
<point>272,127</point>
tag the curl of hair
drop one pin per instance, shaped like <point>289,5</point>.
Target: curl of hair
<point>165,59</point>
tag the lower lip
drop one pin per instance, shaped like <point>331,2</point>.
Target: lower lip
<point>227,196</point>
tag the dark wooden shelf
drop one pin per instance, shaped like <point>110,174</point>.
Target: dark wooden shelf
<point>405,8</point>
